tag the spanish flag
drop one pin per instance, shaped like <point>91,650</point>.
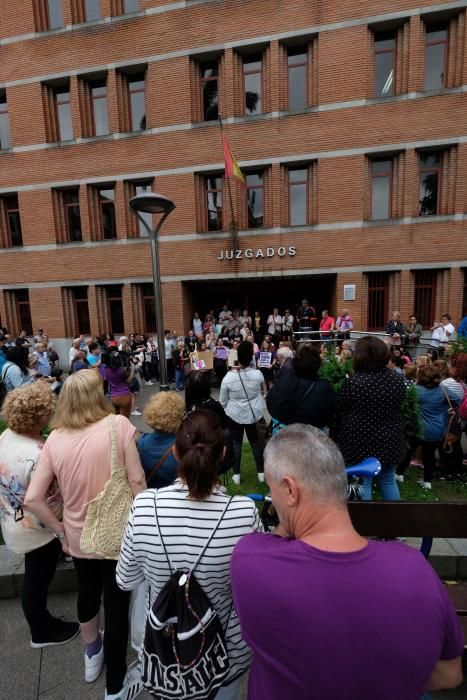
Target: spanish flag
<point>232,168</point>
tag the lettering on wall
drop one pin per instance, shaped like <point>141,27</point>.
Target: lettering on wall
<point>257,253</point>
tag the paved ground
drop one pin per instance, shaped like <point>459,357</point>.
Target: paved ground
<point>56,673</point>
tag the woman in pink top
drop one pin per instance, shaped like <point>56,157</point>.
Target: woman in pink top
<point>77,454</point>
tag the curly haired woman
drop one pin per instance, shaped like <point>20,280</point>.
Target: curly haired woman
<point>164,414</point>
<point>27,410</point>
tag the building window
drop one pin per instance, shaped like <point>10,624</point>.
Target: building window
<point>297,65</point>
<point>381,189</point>
<point>136,226</point>
<point>107,212</point>
<point>429,183</point>
<point>214,186</point>
<point>72,214</point>
<point>5,141</point>
<point>124,7</point>
<point>97,92</point>
<point>62,99</point>
<point>92,10</point>
<point>209,74</point>
<point>12,222</point>
<point>378,300</point>
<point>54,14</point>
<point>137,102</point>
<point>436,56</point>
<point>298,196</point>
<point>115,308</point>
<point>384,63</point>
<point>81,310</point>
<point>130,6</point>
<point>255,199</point>
<point>23,310</point>
<point>253,83</point>
<point>149,308</point>
<point>425,296</point>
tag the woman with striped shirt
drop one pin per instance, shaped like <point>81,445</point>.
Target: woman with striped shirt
<point>187,513</point>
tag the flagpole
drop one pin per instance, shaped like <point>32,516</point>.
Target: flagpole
<point>233,223</point>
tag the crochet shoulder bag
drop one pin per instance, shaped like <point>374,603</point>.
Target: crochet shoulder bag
<point>107,514</point>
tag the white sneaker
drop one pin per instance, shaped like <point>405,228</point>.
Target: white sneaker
<point>132,685</point>
<point>149,383</point>
<point>236,478</point>
<point>136,413</point>
<point>93,666</point>
<point>261,477</point>
<point>400,477</point>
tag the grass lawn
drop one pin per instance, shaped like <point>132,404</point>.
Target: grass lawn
<point>410,490</point>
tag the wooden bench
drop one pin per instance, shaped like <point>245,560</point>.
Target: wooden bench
<point>426,520</point>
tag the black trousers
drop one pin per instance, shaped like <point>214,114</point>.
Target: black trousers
<point>236,437</point>
<point>428,457</point>
<point>97,577</point>
<point>39,570</point>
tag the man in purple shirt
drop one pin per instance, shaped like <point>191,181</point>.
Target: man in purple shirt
<point>327,613</point>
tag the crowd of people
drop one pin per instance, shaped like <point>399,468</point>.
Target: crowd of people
<point>259,585</point>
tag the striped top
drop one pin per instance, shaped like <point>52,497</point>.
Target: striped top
<point>186,525</point>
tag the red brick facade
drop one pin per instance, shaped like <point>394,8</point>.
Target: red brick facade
<point>334,138</point>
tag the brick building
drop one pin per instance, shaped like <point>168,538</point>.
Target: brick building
<point>348,119</point>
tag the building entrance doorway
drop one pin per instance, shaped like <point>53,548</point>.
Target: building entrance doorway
<point>262,294</point>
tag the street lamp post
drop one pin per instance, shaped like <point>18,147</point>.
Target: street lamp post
<point>152,203</point>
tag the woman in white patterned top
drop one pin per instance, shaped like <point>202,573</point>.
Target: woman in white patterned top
<point>187,513</point>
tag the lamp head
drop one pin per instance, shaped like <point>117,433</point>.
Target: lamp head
<point>151,203</point>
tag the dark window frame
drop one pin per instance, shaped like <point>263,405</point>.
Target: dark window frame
<point>373,176</point>
<point>85,11</point>
<point>446,42</point>
<point>60,91</point>
<point>291,184</point>
<point>109,203</point>
<point>305,65</point>
<point>78,304</point>
<point>428,170</point>
<point>98,83</point>
<point>260,59</point>
<point>110,299</point>
<point>24,320</point>
<point>47,9</point>
<point>147,296</point>
<point>4,110</point>
<point>377,52</point>
<point>137,77</point>
<point>72,205</point>
<point>202,65</point>
<point>207,191</point>
<point>12,210</point>
<point>377,309</point>
<point>248,188</point>
<point>425,287</point>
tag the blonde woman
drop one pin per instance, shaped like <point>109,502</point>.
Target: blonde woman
<point>164,414</point>
<point>27,411</point>
<point>77,455</point>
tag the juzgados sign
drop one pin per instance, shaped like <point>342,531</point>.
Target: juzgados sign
<point>257,253</point>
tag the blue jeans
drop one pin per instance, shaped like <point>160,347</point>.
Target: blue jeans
<point>387,485</point>
<point>179,378</point>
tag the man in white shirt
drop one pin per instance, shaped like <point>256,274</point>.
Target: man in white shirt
<point>448,329</point>
<point>224,313</point>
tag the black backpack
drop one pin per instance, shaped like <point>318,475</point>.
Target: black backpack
<point>184,654</point>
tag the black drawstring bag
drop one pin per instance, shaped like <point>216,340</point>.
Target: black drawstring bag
<point>184,654</point>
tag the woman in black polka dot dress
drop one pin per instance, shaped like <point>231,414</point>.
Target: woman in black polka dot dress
<point>370,415</point>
